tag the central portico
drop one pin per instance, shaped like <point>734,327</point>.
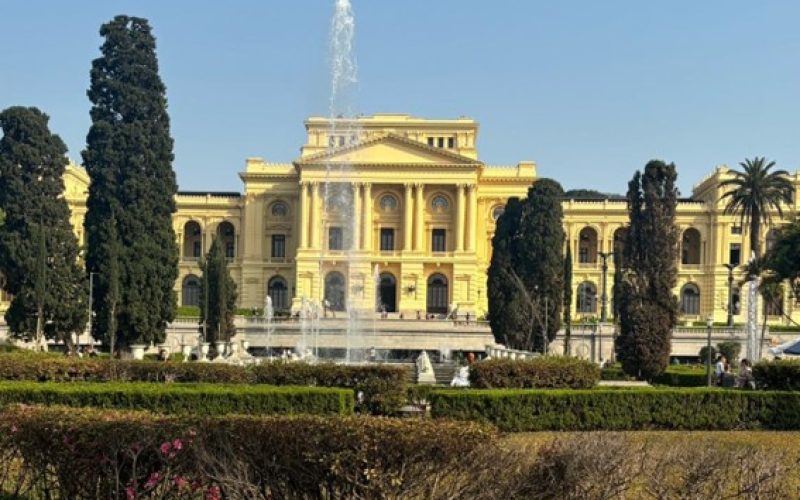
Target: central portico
<point>408,205</point>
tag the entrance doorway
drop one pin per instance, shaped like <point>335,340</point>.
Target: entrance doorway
<point>334,291</point>
<point>387,293</point>
<point>437,294</point>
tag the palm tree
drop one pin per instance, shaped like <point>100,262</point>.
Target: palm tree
<point>754,192</point>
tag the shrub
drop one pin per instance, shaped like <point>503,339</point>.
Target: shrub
<point>703,354</point>
<point>545,372</point>
<point>620,409</point>
<point>614,373</point>
<point>91,454</point>
<point>197,399</point>
<point>379,389</point>
<point>778,375</point>
<point>731,351</point>
<point>683,376</point>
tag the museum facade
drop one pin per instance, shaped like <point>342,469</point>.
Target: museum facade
<point>396,213</point>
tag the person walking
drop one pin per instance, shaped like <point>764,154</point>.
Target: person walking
<point>719,369</point>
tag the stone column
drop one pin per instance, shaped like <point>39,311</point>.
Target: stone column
<point>419,219</point>
<point>460,206</point>
<point>407,222</point>
<point>472,212</point>
<point>357,215</point>
<point>366,232</point>
<point>303,215</point>
<point>315,216</point>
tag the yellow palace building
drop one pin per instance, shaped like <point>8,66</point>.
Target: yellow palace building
<point>412,230</point>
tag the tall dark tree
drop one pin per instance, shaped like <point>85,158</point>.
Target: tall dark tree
<point>131,243</point>
<point>217,295</point>
<point>754,192</point>
<point>783,259</point>
<point>648,309</point>
<point>38,248</point>
<point>568,302</point>
<point>505,313</point>
<point>541,261</point>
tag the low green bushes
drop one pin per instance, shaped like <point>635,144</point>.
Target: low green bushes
<point>778,375</point>
<point>683,376</point>
<point>545,372</point>
<point>195,399</point>
<point>620,409</point>
<point>107,454</point>
<point>379,389</point>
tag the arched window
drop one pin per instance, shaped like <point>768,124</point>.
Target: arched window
<point>280,209</point>
<point>192,241</point>
<point>439,203</point>
<point>587,298</point>
<point>387,292</point>
<point>587,246</point>
<point>690,300</point>
<point>620,235</point>
<point>279,293</point>
<point>190,291</point>
<point>388,203</point>
<point>437,294</point>
<point>690,247</point>
<point>335,291</point>
<point>497,212</point>
<point>772,238</point>
<point>227,235</point>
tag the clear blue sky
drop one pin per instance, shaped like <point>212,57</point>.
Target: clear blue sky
<point>590,90</point>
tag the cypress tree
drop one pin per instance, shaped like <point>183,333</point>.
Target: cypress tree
<point>648,309</point>
<point>568,302</point>
<point>541,262</point>
<point>216,281</point>
<point>505,313</point>
<point>38,248</point>
<point>131,243</point>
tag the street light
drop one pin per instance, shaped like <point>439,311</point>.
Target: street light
<point>604,296</point>
<point>709,324</point>
<point>730,268</point>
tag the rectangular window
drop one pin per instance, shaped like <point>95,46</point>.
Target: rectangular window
<point>230,250</point>
<point>451,142</point>
<point>441,142</point>
<point>735,229</point>
<point>387,239</point>
<point>279,246</point>
<point>735,254</point>
<point>431,141</point>
<point>583,255</point>
<point>335,240</point>
<point>197,249</point>
<point>438,240</point>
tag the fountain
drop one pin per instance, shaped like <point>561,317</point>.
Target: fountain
<point>267,316</point>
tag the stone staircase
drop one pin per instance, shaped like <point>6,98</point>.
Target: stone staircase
<point>444,372</point>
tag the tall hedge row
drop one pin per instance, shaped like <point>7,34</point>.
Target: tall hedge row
<point>190,399</point>
<point>778,375</point>
<point>545,372</point>
<point>379,389</point>
<point>88,454</point>
<point>620,409</point>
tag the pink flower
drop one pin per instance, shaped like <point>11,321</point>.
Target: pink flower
<point>153,480</point>
<point>130,493</point>
<point>180,481</point>
<point>213,493</point>
<point>165,447</point>
<point>177,444</point>
<point>14,428</point>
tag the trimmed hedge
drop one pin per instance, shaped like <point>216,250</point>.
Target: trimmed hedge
<point>110,454</point>
<point>545,372</point>
<point>620,409</point>
<point>683,376</point>
<point>380,389</point>
<point>778,375</point>
<point>195,399</point>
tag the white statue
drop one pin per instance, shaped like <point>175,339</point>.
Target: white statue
<point>425,374</point>
<point>461,377</point>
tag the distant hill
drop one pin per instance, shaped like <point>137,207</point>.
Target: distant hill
<point>591,194</point>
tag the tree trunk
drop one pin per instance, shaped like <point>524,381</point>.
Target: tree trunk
<point>755,230</point>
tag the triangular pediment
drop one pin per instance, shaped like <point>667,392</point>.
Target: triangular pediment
<point>389,149</point>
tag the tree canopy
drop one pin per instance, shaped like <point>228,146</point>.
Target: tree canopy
<point>648,310</point>
<point>131,243</point>
<point>38,248</point>
<point>219,310</point>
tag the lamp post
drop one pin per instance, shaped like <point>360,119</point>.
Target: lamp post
<point>709,324</point>
<point>603,295</point>
<point>730,268</point>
